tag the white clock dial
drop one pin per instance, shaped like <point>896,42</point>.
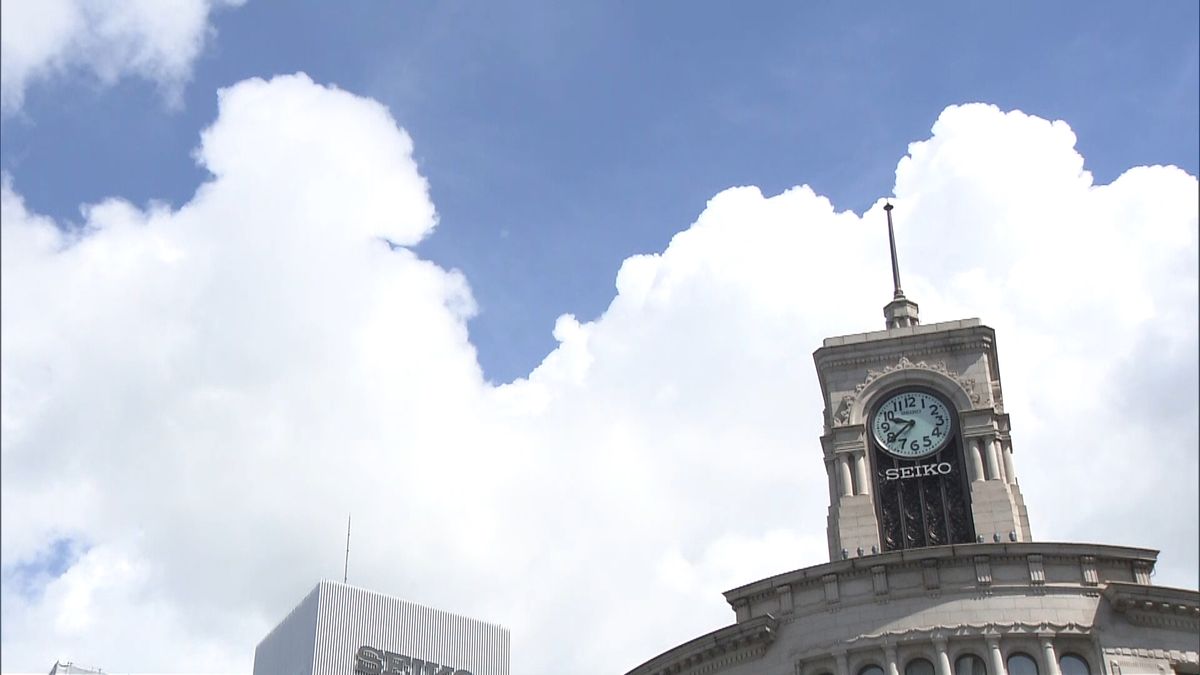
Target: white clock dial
<point>912,424</point>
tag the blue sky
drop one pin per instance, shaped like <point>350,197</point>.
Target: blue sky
<point>560,139</point>
<point>602,349</point>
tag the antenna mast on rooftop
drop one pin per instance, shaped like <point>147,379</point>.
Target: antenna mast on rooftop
<point>346,568</point>
<point>901,311</point>
<point>897,293</point>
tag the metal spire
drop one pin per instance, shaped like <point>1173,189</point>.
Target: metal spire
<point>897,293</point>
<point>346,568</point>
<point>900,312</point>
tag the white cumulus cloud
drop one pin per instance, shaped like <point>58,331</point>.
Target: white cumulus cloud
<point>154,39</point>
<point>194,398</point>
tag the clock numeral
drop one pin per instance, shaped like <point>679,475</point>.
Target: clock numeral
<point>914,424</point>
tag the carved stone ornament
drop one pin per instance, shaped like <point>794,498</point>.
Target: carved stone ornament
<point>819,652</point>
<point>841,417</point>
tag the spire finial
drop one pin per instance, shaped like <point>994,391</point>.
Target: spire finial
<point>901,311</point>
<point>896,292</point>
<point>346,568</point>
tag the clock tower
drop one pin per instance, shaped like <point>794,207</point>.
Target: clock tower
<point>916,444</point>
<point>932,568</point>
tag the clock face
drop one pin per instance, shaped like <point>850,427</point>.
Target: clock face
<point>912,424</point>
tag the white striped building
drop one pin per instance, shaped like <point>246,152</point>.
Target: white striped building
<point>342,630</point>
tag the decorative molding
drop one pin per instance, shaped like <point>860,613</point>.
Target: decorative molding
<point>831,588</point>
<point>982,631</point>
<point>855,357</point>
<point>1141,571</point>
<point>1153,606</point>
<point>929,572</point>
<point>741,608</point>
<point>932,565</point>
<point>716,651</point>
<point>1037,572</point>
<point>879,579</point>
<point>1159,614</point>
<point>1156,620</point>
<point>786,601</point>
<point>1087,565</point>
<point>842,415</point>
<point>841,418</point>
<point>1174,657</point>
<point>983,571</point>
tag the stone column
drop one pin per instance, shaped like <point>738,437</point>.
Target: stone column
<point>1006,452</point>
<point>999,450</point>
<point>843,668</point>
<point>1048,655</point>
<point>861,473</point>
<point>974,462</point>
<point>993,643</point>
<point>843,471</point>
<point>889,659</point>
<point>989,453</point>
<point>943,659</point>
<point>831,473</point>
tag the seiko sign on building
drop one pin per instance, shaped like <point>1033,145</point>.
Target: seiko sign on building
<point>918,471</point>
<point>373,661</point>
<point>343,630</point>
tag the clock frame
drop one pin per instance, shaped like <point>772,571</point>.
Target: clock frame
<point>912,423</point>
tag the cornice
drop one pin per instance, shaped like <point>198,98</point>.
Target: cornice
<point>732,644</point>
<point>867,358</point>
<point>964,552</point>
<point>887,345</point>
<point>1175,657</point>
<point>844,415</point>
<point>1156,606</point>
<point>943,632</point>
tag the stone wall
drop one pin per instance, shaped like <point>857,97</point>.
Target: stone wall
<point>939,604</point>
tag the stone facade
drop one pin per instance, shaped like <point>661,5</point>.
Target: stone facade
<point>1002,605</point>
<point>942,603</point>
<point>956,359</point>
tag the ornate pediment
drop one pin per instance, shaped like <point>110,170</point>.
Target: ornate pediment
<point>843,414</point>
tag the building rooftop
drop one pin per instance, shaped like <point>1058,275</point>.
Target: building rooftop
<point>919,329</point>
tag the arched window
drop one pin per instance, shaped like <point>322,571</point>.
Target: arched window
<point>970,664</point>
<point>918,667</point>
<point>1071,664</point>
<point>871,670</point>
<point>1021,664</point>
